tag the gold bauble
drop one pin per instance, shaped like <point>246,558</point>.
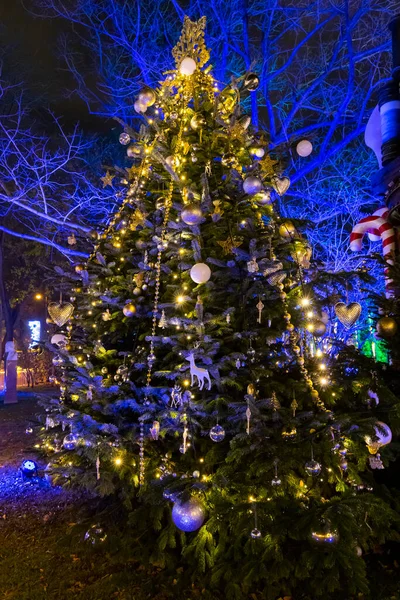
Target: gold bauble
<point>79,268</point>
<point>129,309</point>
<point>386,327</point>
<point>287,229</point>
<point>251,389</point>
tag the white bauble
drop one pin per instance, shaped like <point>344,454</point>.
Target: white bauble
<point>252,185</point>
<point>187,66</point>
<point>140,107</point>
<point>200,273</point>
<point>304,148</point>
<point>59,339</point>
<point>263,198</point>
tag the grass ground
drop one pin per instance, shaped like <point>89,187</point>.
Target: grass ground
<point>43,555</point>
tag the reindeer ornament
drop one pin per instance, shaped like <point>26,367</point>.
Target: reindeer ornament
<point>200,374</point>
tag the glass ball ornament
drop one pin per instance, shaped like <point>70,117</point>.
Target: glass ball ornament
<point>358,551</point>
<point>217,433</point>
<point>251,82</point>
<point>257,152</point>
<point>29,430</point>
<point>263,198</point>
<point>124,138</point>
<point>255,534</point>
<point>191,214</point>
<point>200,273</point>
<point>319,328</point>
<point>325,534</point>
<point>276,481</point>
<point>188,516</point>
<point>252,185</point>
<point>304,148</point>
<point>196,474</point>
<point>57,360</point>
<point>140,107</point>
<point>382,437</point>
<point>70,441</point>
<point>313,468</point>
<point>386,327</point>
<point>29,467</point>
<point>129,309</point>
<point>147,96</point>
<point>187,66</point>
<point>95,535</point>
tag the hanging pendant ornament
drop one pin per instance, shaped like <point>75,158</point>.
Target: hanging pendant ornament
<point>155,430</point>
<point>252,265</point>
<point>60,312</point>
<point>348,314</point>
<point>294,406</point>
<point>375,462</point>
<point>71,239</point>
<point>89,393</point>
<point>184,445</point>
<point>141,454</point>
<point>276,481</point>
<point>255,533</point>
<point>228,318</point>
<point>248,416</point>
<point>98,467</point>
<point>382,437</point>
<point>281,185</point>
<point>200,374</point>
<point>260,307</point>
<point>238,363</point>
<point>163,321</point>
<point>176,396</point>
<point>251,82</point>
<point>106,315</point>
<point>199,308</point>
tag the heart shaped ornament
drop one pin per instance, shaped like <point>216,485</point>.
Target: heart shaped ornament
<point>60,312</point>
<point>348,314</point>
<point>281,184</point>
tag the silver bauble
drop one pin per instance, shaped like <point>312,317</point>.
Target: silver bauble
<point>95,535</point>
<point>255,534</point>
<point>313,467</point>
<point>191,214</point>
<point>70,441</point>
<point>188,516</point>
<point>251,82</point>
<point>124,138</point>
<point>147,96</point>
<point>252,185</point>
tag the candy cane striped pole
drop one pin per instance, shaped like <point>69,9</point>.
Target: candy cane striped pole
<point>377,227</point>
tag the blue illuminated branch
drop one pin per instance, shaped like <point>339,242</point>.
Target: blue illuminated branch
<point>62,249</point>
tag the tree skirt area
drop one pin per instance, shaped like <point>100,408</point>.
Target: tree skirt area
<point>43,552</point>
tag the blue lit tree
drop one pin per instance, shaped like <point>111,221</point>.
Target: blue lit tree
<point>320,65</point>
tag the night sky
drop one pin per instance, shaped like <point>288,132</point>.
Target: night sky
<point>29,53</point>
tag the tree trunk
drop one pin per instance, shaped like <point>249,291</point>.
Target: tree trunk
<point>10,315</point>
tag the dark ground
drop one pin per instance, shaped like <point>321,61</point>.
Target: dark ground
<point>43,555</point>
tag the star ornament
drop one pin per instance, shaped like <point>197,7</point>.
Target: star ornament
<point>229,245</point>
<point>137,219</point>
<point>107,179</point>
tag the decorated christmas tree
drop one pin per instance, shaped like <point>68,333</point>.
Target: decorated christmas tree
<point>204,368</point>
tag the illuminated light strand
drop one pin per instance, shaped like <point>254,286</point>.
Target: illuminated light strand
<point>141,454</point>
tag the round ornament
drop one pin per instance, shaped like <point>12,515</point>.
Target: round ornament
<point>95,535</point>
<point>172,161</point>
<point>188,516</point>
<point>187,66</point>
<point>251,389</point>
<point>304,148</point>
<point>29,468</point>
<point>313,468</point>
<point>325,534</point>
<point>57,360</point>
<point>257,152</point>
<point>147,96</point>
<point>197,121</point>
<point>358,551</point>
<point>287,230</point>
<point>217,433</point>
<point>59,339</point>
<point>134,150</point>
<point>200,273</point>
<point>263,198</point>
<point>124,138</point>
<point>129,309</point>
<point>255,534</point>
<point>251,82</point>
<point>386,327</point>
<point>191,214</point>
<point>382,437</point>
<point>275,482</point>
<point>252,185</point>
<point>29,430</point>
<point>139,107</point>
<point>70,441</point>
